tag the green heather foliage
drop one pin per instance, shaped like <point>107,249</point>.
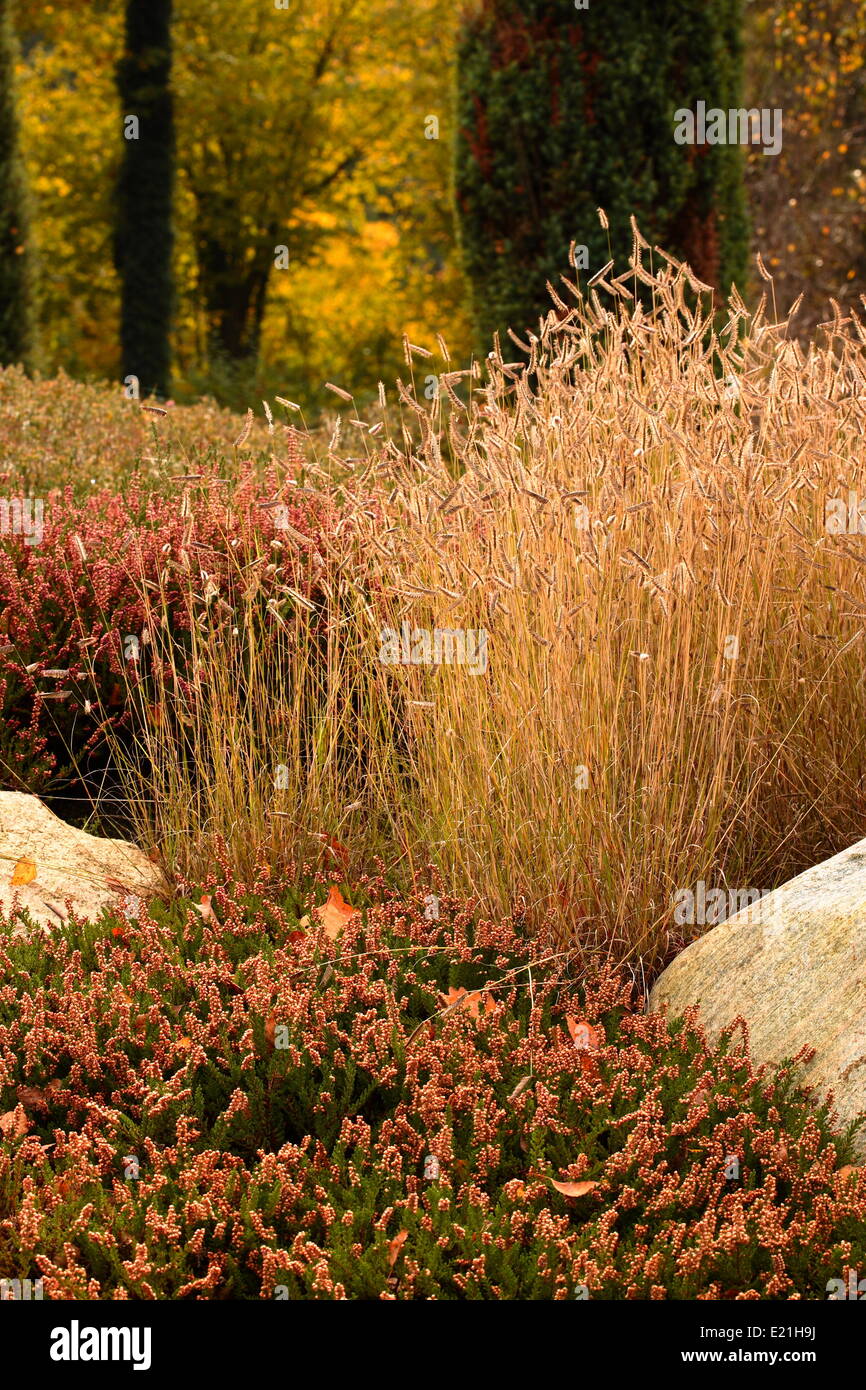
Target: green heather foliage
<point>562,111</point>
<point>144,233</point>
<point>226,1104</point>
<point>16,269</point>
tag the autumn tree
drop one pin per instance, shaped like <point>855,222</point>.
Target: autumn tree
<point>350,99</point>
<point>562,110</point>
<point>16,269</point>
<point>809,203</point>
<point>274,133</point>
<point>144,237</point>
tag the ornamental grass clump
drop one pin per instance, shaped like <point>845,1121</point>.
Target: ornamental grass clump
<point>585,636</point>
<point>242,1096</point>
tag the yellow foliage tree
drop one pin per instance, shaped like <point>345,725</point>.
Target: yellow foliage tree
<point>313,187</point>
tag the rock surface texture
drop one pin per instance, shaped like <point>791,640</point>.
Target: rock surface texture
<point>55,867</point>
<point>794,966</point>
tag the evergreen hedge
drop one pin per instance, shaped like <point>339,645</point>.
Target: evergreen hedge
<point>561,111</point>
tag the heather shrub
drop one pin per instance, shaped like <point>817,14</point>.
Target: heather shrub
<point>222,1101</point>
<point>76,609</point>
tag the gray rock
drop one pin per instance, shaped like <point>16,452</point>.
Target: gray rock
<point>93,873</point>
<point>794,966</point>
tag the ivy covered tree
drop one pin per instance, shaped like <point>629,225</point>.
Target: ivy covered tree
<point>562,110</point>
<point>144,236</point>
<point>16,267</point>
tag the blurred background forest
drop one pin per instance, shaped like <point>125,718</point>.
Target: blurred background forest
<point>330,128</point>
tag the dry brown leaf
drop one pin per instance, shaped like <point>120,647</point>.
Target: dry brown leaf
<point>32,1097</point>
<point>206,910</point>
<point>270,1031</point>
<point>335,913</point>
<point>14,1124</point>
<point>583,1035</point>
<point>395,1246</point>
<point>471,1002</point>
<point>848,1169</point>
<point>24,872</point>
<point>574,1189</point>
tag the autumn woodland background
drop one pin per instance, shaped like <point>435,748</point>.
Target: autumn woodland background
<point>308,127</point>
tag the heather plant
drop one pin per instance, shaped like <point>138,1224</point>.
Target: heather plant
<point>223,1098</point>
<point>74,609</point>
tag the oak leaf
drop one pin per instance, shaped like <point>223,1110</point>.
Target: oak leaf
<point>472,1002</point>
<point>334,914</point>
<point>24,872</point>
<point>32,1097</point>
<point>583,1035</point>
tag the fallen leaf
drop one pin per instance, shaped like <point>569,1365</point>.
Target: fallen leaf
<point>184,1044</point>
<point>32,1097</point>
<point>574,1189</point>
<point>206,910</point>
<point>335,913</point>
<point>339,852</point>
<point>848,1169</point>
<point>395,1246</point>
<point>24,872</point>
<point>583,1035</point>
<point>14,1124</point>
<point>461,998</point>
<point>270,1031</point>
